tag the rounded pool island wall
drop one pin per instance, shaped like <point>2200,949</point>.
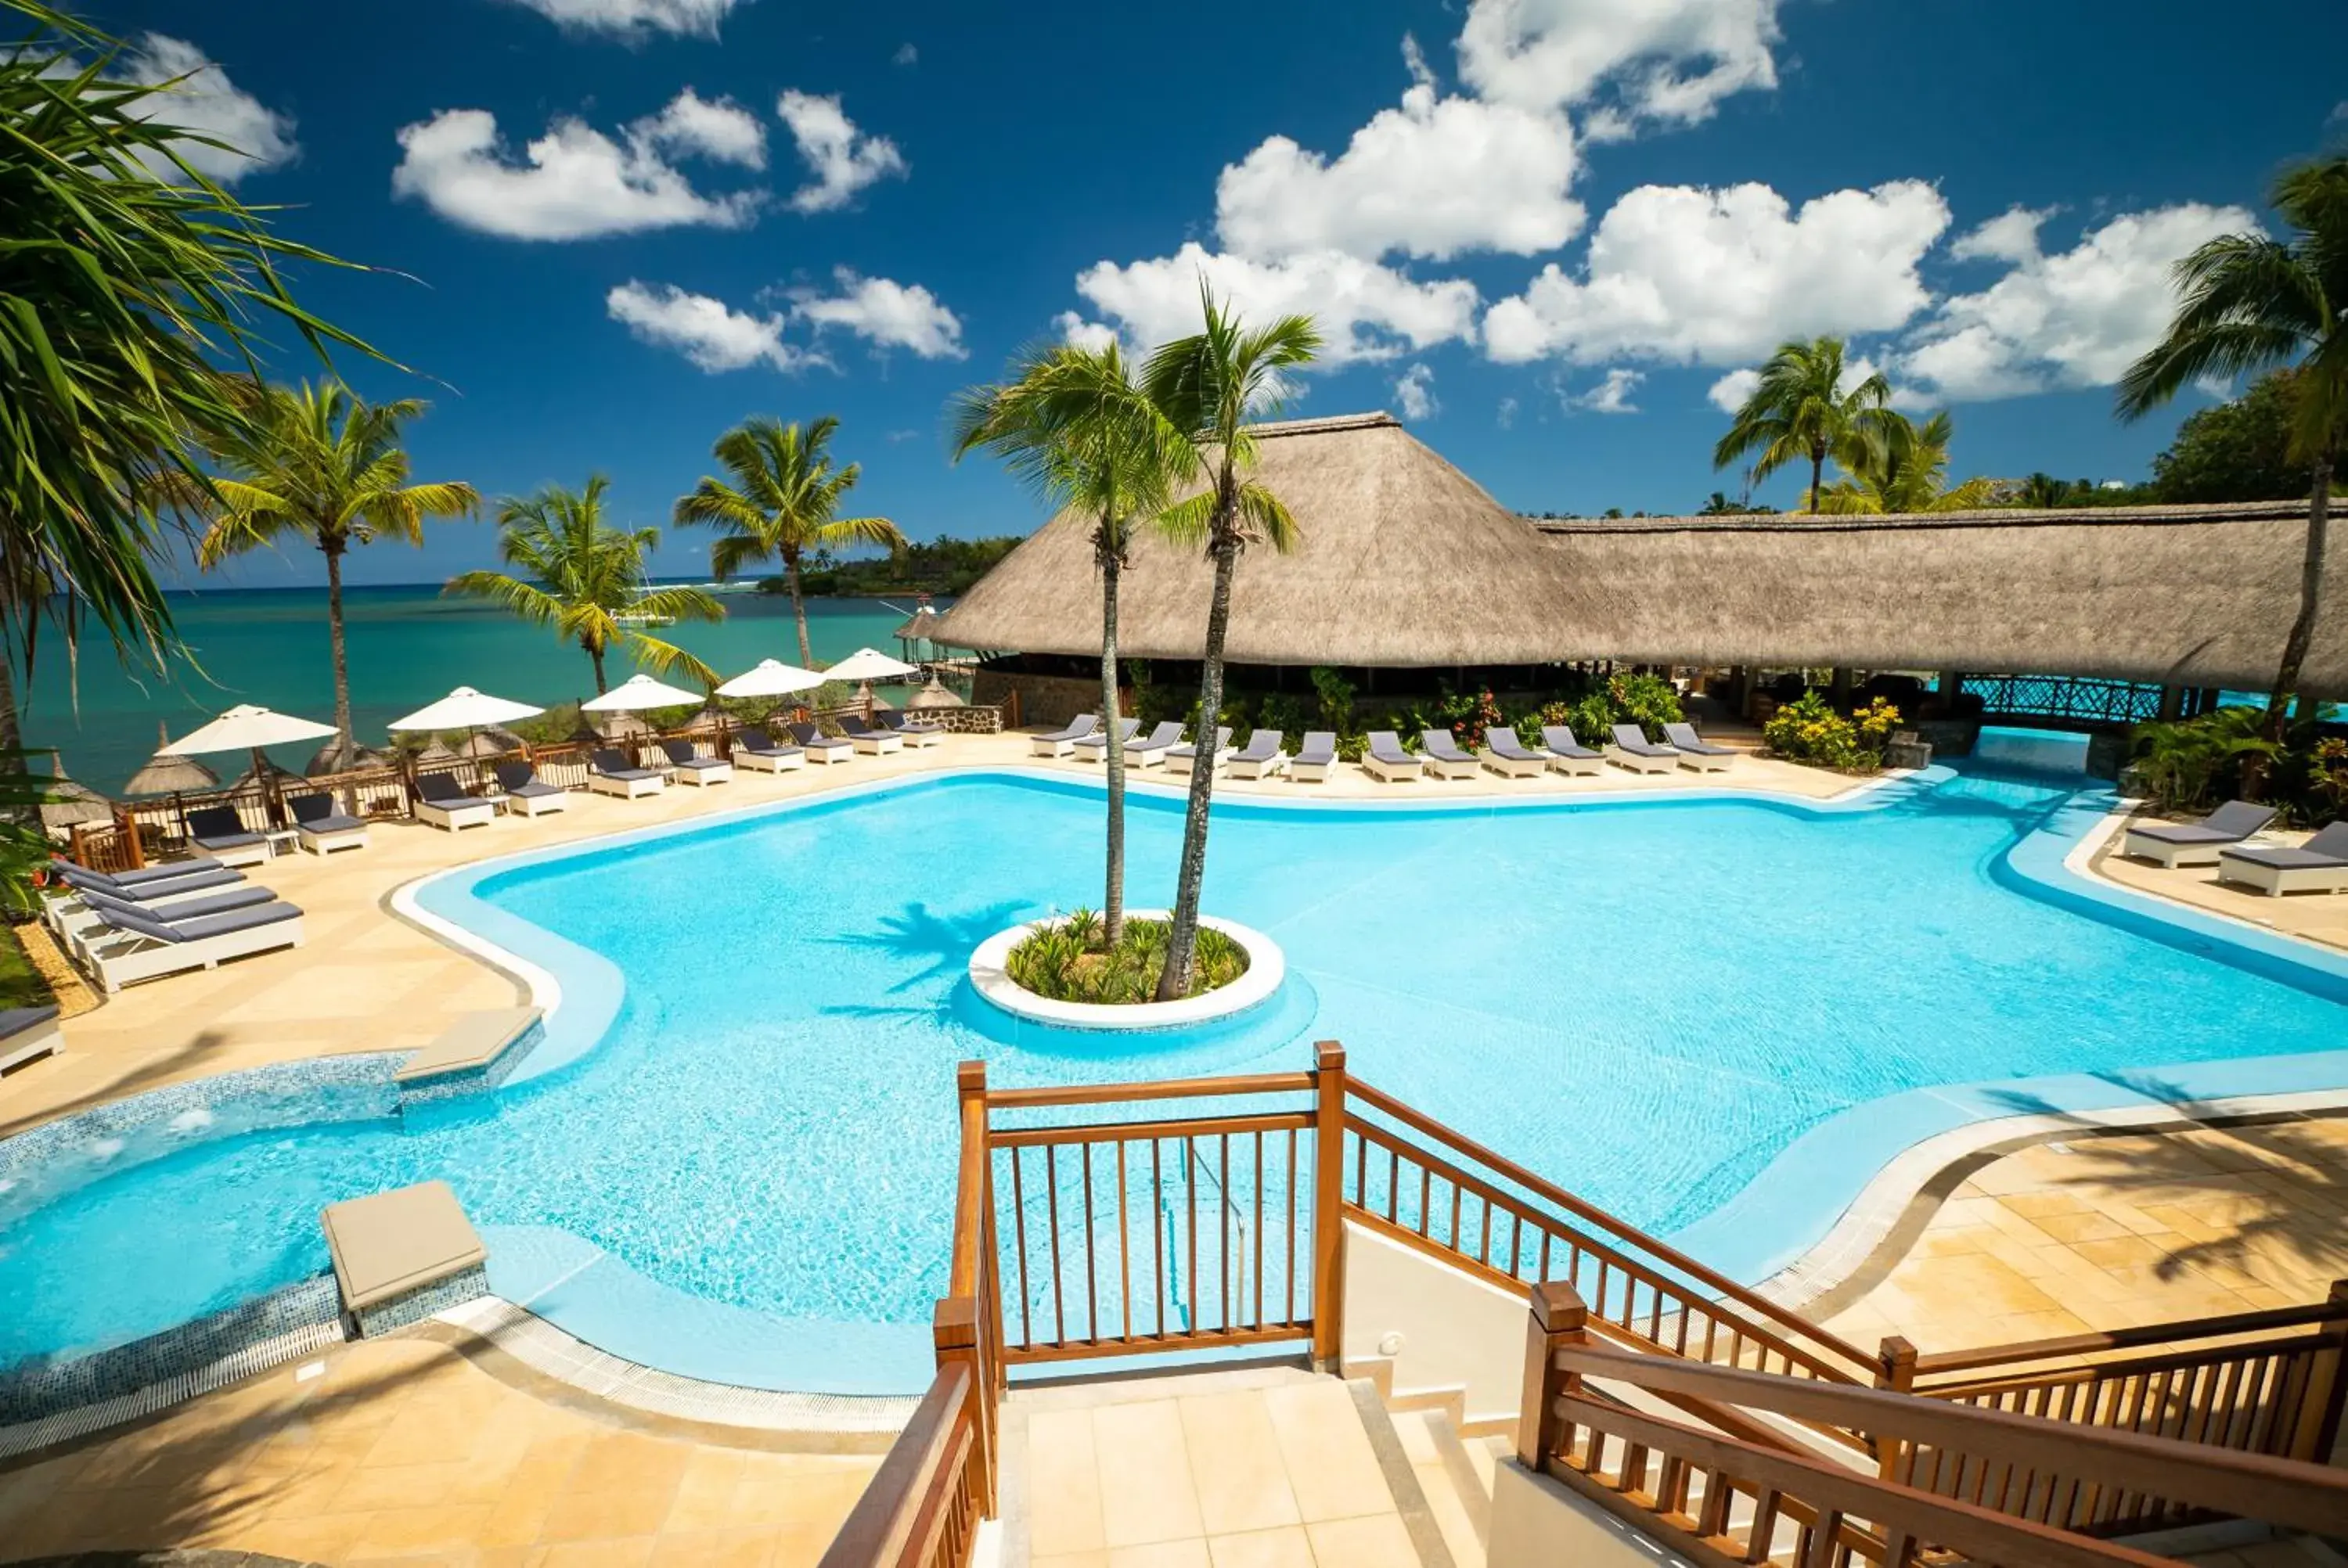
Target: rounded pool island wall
<point>1267,969</point>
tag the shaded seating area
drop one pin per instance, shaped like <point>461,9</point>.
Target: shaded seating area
<point>2318,866</point>
<point>1632,750</point>
<point>821,747</point>
<point>609,772</point>
<point>442,801</point>
<point>2197,843</point>
<point>322,826</point>
<point>525,792</point>
<point>686,765</point>
<point>756,749</point>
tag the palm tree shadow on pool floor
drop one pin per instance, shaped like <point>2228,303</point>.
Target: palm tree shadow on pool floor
<point>938,942</point>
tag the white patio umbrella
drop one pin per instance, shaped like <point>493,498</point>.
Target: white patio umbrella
<point>638,692</point>
<point>465,709</point>
<point>252,729</point>
<point>771,678</point>
<point>868,665</point>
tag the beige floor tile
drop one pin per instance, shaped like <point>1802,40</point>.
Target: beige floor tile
<point>1190,1554</point>
<point>1286,1548</point>
<point>586,1515</point>
<point>713,1549</point>
<point>634,1552</point>
<point>1379,1542</point>
<point>393,1531</point>
<point>1072,1560</point>
<point>1064,1486</point>
<point>1331,1466</point>
<point>1236,1465</point>
<point>1145,1489</point>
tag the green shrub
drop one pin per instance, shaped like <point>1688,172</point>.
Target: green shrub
<point>1647,701</point>
<point>1808,730</point>
<point>1067,962</point>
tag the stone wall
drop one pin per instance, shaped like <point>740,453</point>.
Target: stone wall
<point>975,720</point>
<point>1047,700</point>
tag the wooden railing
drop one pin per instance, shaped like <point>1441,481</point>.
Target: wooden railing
<point>1720,1501</point>
<point>2064,699</point>
<point>2269,1383</point>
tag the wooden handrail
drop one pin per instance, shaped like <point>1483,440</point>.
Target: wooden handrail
<point>2335,1308</point>
<point>1660,1251</point>
<point>2288,1492</point>
<point>1163,1089</point>
<point>912,1484</point>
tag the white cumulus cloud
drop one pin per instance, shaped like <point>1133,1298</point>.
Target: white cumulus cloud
<point>574,182</point>
<point>637,18</point>
<point>843,159</point>
<point>722,131</point>
<point>885,313</point>
<point>1620,61</point>
<point>201,98</point>
<point>1712,277</point>
<point>1610,396</point>
<point>2074,319</point>
<point>1085,334</point>
<point>1366,312</point>
<point>1729,392</point>
<point>1437,177</point>
<point>1414,392</point>
<point>707,331</point>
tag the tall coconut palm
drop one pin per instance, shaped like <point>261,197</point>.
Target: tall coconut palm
<point>1072,423</point>
<point>1802,412</point>
<point>1208,386</point>
<point>1898,465</point>
<point>126,302</point>
<point>783,502</point>
<point>579,574</point>
<point>321,464</point>
<point>2249,303</point>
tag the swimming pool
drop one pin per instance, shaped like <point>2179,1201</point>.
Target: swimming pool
<point>746,1177</point>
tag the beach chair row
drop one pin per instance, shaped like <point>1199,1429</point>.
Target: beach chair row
<point>126,927</point>
<point>1439,755</point>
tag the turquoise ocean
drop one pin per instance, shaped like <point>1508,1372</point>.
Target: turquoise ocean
<point>408,646</point>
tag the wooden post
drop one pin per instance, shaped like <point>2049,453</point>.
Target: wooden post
<point>1558,1319</point>
<point>127,821</point>
<point>1895,1368</point>
<point>2172,703</point>
<point>1328,1192</point>
<point>2327,1385</point>
<point>955,1331</point>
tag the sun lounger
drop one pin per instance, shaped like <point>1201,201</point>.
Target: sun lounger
<point>204,879</point>
<point>754,748</point>
<point>442,801</point>
<point>524,791</point>
<point>1632,750</point>
<point>1184,757</point>
<point>87,924</point>
<point>1092,748</point>
<point>27,1034</point>
<point>1151,750</point>
<point>2319,866</point>
<point>146,948</point>
<point>913,732</point>
<point>1567,755</point>
<point>1059,743</point>
<point>167,871</point>
<point>1315,755</point>
<point>1260,758</point>
<point>1695,751</point>
<point>1511,758</point>
<point>686,765</point>
<point>323,826</point>
<point>609,772</point>
<point>821,747</point>
<point>1443,757</point>
<point>220,833</point>
<point>1386,762</point>
<point>871,742</point>
<point>2197,843</point>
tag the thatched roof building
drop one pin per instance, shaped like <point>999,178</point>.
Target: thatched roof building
<point>1404,561</point>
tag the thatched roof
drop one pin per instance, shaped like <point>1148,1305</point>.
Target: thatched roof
<point>168,772</point>
<point>2190,596</point>
<point>1404,561</point>
<point>70,801</point>
<point>1401,559</point>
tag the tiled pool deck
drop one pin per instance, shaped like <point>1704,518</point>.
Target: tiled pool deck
<point>406,1450</point>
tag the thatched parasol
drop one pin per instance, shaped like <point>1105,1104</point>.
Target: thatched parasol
<point>168,772</point>
<point>489,742</point>
<point>936,694</point>
<point>71,802</point>
<point>433,752</point>
<point>361,757</point>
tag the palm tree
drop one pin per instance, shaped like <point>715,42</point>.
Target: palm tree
<point>781,504</point>
<point>1208,386</point>
<point>1800,411</point>
<point>1073,424</point>
<point>2250,302</point>
<point>2044,490</point>
<point>1894,465</point>
<point>323,465</point>
<point>582,574</point>
<point>125,301</point>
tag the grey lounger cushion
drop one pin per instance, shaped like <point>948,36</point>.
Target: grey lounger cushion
<point>1261,747</point>
<point>16,1020</point>
<point>442,789</point>
<point>1633,739</point>
<point>614,765</point>
<point>2230,823</point>
<point>2326,849</point>
<point>759,743</point>
<point>1559,740</point>
<point>1386,746</point>
<point>1318,748</point>
<point>214,875</point>
<point>189,867</point>
<point>316,814</point>
<point>196,930</point>
<point>1439,743</point>
<point>218,827</point>
<point>1684,737</point>
<point>809,735</point>
<point>1502,742</point>
<point>682,755</point>
<point>522,779</point>
<point>1080,726</point>
<point>1126,730</point>
<point>1191,748</point>
<point>193,909</point>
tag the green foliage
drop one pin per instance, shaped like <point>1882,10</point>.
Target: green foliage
<point>1068,962</point>
<point>1647,701</point>
<point>1468,717</point>
<point>1592,718</point>
<point>2236,451</point>
<point>2187,764</point>
<point>1337,695</point>
<point>947,566</point>
<point>1808,730</point>
<point>25,846</point>
<point>1800,413</point>
<point>21,985</point>
<point>1892,463</point>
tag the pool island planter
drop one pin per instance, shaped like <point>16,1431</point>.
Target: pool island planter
<point>1267,968</point>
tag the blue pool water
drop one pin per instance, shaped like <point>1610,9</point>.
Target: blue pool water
<point>1646,1000</point>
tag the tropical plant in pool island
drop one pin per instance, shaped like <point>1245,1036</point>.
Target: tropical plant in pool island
<point>1808,730</point>
<point>1074,960</point>
<point>1210,386</point>
<point>320,464</point>
<point>782,502</point>
<point>2250,302</point>
<point>1071,423</point>
<point>129,306</point>
<point>580,573</point>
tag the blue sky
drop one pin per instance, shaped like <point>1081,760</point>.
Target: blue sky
<point>1549,233</point>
